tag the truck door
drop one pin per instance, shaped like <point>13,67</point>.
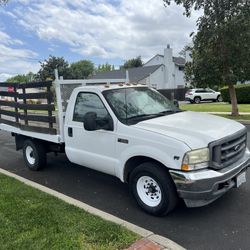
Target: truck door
<point>93,149</point>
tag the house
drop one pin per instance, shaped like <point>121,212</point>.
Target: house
<point>160,72</point>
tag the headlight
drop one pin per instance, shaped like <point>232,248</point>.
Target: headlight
<point>196,159</point>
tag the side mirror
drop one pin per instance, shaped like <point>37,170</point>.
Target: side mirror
<point>90,121</point>
<point>176,103</point>
<point>110,124</point>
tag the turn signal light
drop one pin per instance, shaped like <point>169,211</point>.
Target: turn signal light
<point>185,167</point>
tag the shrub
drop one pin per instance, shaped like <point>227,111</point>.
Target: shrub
<point>242,93</point>
<point>31,101</point>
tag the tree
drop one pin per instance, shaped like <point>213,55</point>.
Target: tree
<point>221,48</point>
<point>48,67</point>
<point>3,1</point>
<point>81,69</point>
<point>105,68</point>
<point>133,63</point>
<point>18,78</point>
<point>22,78</point>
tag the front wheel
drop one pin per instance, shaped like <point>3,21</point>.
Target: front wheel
<point>219,98</point>
<point>153,189</point>
<point>197,100</point>
<point>34,155</point>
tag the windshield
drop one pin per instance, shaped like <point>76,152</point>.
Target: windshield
<point>132,105</point>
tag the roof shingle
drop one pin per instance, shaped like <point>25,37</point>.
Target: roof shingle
<point>135,74</point>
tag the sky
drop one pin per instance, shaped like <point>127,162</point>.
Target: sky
<point>98,30</point>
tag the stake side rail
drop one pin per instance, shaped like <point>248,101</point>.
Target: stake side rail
<point>23,112</point>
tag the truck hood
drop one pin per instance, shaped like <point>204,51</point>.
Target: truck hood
<point>195,129</point>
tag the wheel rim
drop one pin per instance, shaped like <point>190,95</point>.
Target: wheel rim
<point>197,100</point>
<point>29,152</point>
<point>149,191</point>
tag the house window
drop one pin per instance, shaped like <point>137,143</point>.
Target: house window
<point>153,85</point>
<point>180,86</point>
<point>181,68</point>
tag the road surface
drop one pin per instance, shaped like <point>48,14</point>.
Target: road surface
<point>224,224</point>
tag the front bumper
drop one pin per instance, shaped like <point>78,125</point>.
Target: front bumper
<point>199,188</point>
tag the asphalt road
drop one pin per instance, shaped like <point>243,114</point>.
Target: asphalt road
<point>224,224</point>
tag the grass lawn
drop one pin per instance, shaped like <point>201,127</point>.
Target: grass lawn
<point>31,219</point>
<point>214,107</point>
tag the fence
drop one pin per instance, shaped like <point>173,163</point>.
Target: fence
<point>178,94</point>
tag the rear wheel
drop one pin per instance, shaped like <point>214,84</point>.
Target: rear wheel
<point>197,99</point>
<point>34,155</point>
<point>153,189</point>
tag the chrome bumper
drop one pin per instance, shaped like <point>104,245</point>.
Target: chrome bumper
<point>199,188</point>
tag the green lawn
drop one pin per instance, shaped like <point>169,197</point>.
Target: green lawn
<point>238,117</point>
<point>31,219</point>
<point>214,107</point>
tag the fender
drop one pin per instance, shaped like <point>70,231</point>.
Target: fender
<point>143,150</point>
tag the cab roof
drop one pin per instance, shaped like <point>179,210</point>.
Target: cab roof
<point>102,87</point>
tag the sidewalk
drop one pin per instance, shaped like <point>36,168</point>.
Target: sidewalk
<point>244,122</point>
<point>144,244</point>
<point>227,113</point>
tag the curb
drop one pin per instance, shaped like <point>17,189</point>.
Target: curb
<point>165,243</point>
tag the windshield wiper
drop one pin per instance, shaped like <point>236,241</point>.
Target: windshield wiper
<point>171,111</point>
<point>142,116</point>
<point>162,113</point>
<point>150,116</point>
<point>167,112</point>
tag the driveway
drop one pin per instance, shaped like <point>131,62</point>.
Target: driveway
<point>225,224</point>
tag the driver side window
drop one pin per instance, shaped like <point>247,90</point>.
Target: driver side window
<point>88,102</point>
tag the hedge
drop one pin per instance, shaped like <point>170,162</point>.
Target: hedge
<point>242,92</point>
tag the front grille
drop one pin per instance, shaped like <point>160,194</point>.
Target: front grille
<point>228,150</point>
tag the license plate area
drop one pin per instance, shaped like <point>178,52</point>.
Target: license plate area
<point>240,179</point>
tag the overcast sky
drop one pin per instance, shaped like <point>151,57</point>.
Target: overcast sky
<point>99,30</point>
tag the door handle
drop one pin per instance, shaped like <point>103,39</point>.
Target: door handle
<point>70,132</point>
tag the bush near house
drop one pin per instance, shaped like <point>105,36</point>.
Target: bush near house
<point>242,92</point>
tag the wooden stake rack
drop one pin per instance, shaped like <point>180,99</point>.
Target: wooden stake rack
<point>20,113</point>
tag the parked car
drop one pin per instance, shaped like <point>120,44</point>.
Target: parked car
<point>198,95</point>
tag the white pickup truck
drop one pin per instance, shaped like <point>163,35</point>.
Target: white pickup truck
<point>136,134</point>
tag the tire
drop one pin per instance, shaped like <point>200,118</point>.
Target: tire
<point>34,155</point>
<point>197,100</point>
<point>219,98</point>
<point>153,189</point>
